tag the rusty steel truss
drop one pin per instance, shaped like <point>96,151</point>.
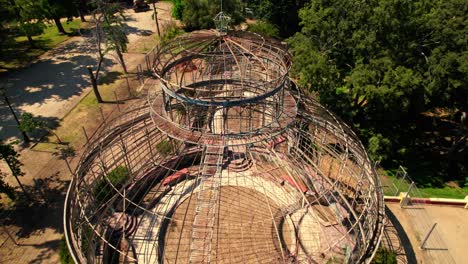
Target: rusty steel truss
<point>225,161</point>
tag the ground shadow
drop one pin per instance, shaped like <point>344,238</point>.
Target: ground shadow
<point>44,209</point>
<point>44,88</point>
<point>137,31</point>
<point>403,237</point>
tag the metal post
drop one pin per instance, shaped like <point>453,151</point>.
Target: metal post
<point>428,235</point>
<point>124,194</point>
<point>68,166</point>
<point>405,199</point>
<point>85,134</point>
<point>117,101</point>
<point>403,177</point>
<point>102,115</point>
<point>128,87</point>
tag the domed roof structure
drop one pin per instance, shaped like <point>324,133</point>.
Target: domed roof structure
<point>225,162</point>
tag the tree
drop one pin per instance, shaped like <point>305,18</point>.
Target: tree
<point>264,28</point>
<point>381,64</point>
<point>110,35</point>
<point>29,16</point>
<point>199,14</point>
<point>283,14</point>
<point>30,123</point>
<point>57,9</point>
<point>115,179</point>
<point>7,101</point>
<point>111,23</point>
<point>155,17</point>
<point>10,156</point>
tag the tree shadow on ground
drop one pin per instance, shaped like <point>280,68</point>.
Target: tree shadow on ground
<point>109,77</point>
<point>44,210</point>
<point>44,88</point>
<point>137,31</point>
<point>45,252</point>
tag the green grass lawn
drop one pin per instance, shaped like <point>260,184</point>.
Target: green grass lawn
<point>17,53</point>
<point>446,191</point>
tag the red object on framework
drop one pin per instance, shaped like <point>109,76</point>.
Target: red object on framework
<point>186,66</point>
<point>300,186</point>
<point>174,178</point>
<point>276,141</point>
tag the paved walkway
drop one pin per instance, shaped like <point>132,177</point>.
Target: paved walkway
<point>51,87</point>
<point>447,244</point>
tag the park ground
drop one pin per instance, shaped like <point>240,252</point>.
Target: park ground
<point>55,87</point>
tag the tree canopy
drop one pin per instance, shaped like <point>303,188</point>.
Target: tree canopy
<point>382,64</point>
<point>281,13</point>
<point>199,14</point>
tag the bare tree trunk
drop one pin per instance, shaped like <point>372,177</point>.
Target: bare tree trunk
<point>59,25</point>
<point>25,136</point>
<point>94,84</point>
<point>122,62</point>
<point>156,18</point>
<point>81,15</point>
<point>30,40</point>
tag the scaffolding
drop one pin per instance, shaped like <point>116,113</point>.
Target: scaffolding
<point>225,161</point>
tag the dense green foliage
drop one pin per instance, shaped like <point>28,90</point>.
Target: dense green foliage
<point>65,257</point>
<point>177,9</point>
<point>264,28</point>
<point>29,123</point>
<point>199,14</point>
<point>104,188</point>
<point>281,13</point>
<point>170,31</point>
<point>16,52</point>
<point>382,66</point>
<point>384,256</point>
<point>29,17</point>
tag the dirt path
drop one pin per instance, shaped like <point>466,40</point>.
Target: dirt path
<point>51,88</point>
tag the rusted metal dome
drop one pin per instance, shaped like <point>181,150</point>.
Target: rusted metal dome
<point>226,161</point>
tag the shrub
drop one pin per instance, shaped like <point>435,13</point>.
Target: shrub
<point>117,177</point>
<point>65,257</point>
<point>170,31</point>
<point>164,147</point>
<point>384,256</point>
<point>264,28</point>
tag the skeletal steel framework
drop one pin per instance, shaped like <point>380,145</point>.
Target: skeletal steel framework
<point>226,161</point>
